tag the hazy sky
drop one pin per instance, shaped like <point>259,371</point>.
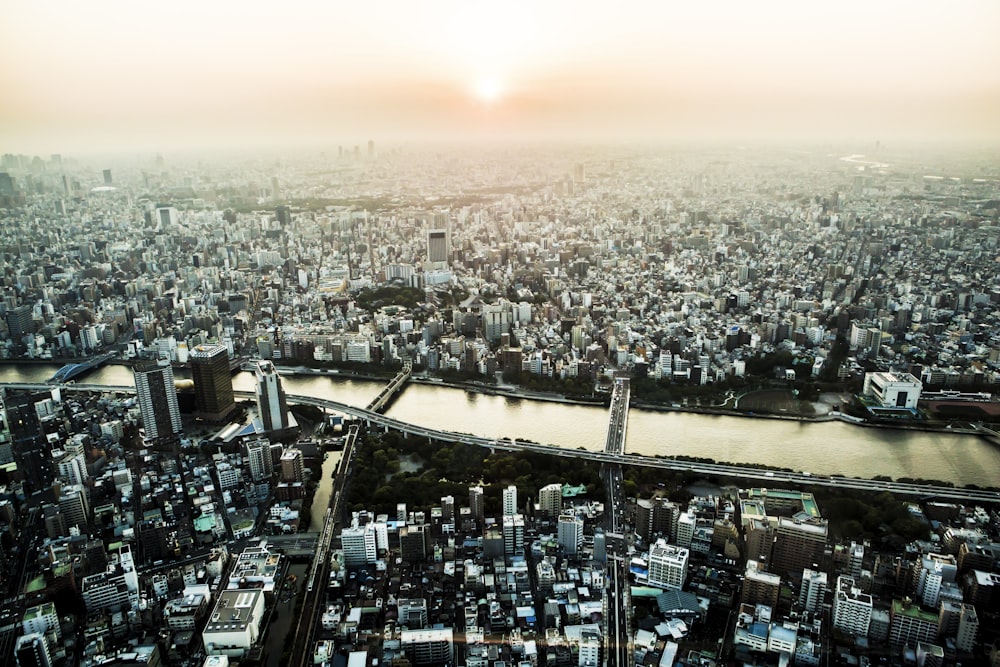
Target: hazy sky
<point>139,76</point>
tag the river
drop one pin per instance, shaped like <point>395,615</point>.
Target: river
<point>821,448</point>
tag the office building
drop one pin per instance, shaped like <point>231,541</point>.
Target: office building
<point>234,625</point>
<point>510,500</point>
<point>852,609</point>
<point>414,543</point>
<point>292,466</point>
<point>667,565</point>
<point>213,382</point>
<point>32,650</point>
<point>759,586</point>
<point>157,396</point>
<point>570,534</point>
<point>272,406</point>
<point>20,321</point>
<point>893,390</point>
<point>438,246</point>
<point>550,500</point>
<point>75,507</point>
<point>359,545</point>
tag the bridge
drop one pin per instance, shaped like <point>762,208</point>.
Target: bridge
<point>721,469</point>
<point>70,371</point>
<point>379,403</point>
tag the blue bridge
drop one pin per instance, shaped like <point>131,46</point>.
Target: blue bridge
<point>70,371</point>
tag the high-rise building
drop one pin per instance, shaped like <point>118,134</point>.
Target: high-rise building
<point>157,395</point>
<point>32,650</point>
<point>476,506</point>
<point>852,609</point>
<point>447,509</point>
<point>414,543</point>
<point>759,539</point>
<point>656,518</point>
<point>213,383</point>
<point>668,565</point>
<point>686,523</point>
<point>359,545</point>
<point>933,571</point>
<point>513,534</point>
<point>292,465</point>
<point>271,402</point>
<point>968,629</point>
<point>438,245</point>
<point>798,544</point>
<point>6,440</point>
<point>510,500</point>
<point>20,321</point>
<point>259,459</point>
<point>813,590</point>
<point>550,499</point>
<point>74,506</point>
<point>759,586</point>
<point>570,534</point>
<point>909,624</point>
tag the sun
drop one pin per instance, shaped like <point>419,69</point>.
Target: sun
<point>488,90</point>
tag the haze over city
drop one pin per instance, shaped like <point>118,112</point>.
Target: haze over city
<point>125,76</point>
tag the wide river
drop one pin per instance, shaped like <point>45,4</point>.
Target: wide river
<point>821,448</point>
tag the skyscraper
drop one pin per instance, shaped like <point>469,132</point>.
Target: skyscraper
<point>154,386</point>
<point>271,402</point>
<point>213,383</point>
<point>438,245</point>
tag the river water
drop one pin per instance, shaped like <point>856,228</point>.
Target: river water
<point>821,448</point>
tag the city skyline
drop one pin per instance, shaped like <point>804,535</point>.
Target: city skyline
<point>141,78</point>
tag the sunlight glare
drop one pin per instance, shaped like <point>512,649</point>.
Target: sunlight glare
<point>488,90</point>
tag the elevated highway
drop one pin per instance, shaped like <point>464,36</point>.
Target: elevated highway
<point>721,469</point>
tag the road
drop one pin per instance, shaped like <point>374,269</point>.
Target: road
<point>616,630</point>
<point>717,469</point>
<point>316,584</point>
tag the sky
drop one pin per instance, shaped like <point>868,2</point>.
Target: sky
<point>139,76</point>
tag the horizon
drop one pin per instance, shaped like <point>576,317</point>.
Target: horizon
<point>191,78</point>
